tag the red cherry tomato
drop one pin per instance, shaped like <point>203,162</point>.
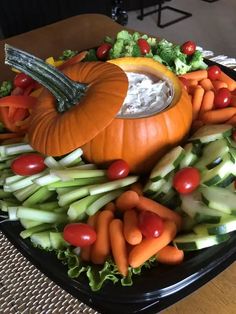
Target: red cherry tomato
<point>185,82</point>
<point>118,169</point>
<point>27,165</point>
<point>143,46</point>
<point>188,48</point>
<point>186,180</point>
<point>22,80</point>
<point>79,234</point>
<point>214,72</point>
<point>103,51</point>
<point>222,98</point>
<point>150,224</point>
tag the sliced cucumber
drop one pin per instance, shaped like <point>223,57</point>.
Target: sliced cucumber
<point>167,163</point>
<point>41,240</point>
<point>57,240</point>
<point>212,154</point>
<point>193,206</point>
<point>226,225</point>
<point>209,133</point>
<point>218,173</point>
<point>191,155</point>
<point>193,242</point>
<point>219,198</point>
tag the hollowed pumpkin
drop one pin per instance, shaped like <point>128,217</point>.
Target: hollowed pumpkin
<point>142,141</point>
<point>63,120</point>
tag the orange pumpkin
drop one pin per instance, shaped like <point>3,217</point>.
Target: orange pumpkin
<point>142,141</point>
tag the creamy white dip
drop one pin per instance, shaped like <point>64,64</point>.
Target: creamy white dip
<point>145,96</point>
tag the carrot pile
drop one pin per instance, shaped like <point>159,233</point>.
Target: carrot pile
<point>122,238</point>
<point>202,91</point>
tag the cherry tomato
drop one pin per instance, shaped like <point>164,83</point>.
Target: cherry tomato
<point>150,224</point>
<point>22,80</point>
<point>214,72</point>
<point>185,82</point>
<point>27,165</point>
<point>222,98</point>
<point>79,234</point>
<point>188,48</point>
<point>186,180</point>
<point>143,46</point>
<point>103,51</point>
<point>118,169</point>
<point>17,91</point>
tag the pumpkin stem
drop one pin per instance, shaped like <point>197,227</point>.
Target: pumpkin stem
<point>66,91</point>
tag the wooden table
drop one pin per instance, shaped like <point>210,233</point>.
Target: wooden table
<point>218,296</point>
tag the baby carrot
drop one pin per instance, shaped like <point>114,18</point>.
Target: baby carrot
<point>101,247</point>
<point>196,75</point>
<point>228,80</point>
<point>192,82</point>
<point>110,206</point>
<point>170,255</point>
<point>127,200</point>
<point>218,115</point>
<point>118,246</point>
<point>197,101</point>
<point>132,233</point>
<point>150,246</point>
<point>206,84</point>
<point>207,102</point>
<point>219,84</point>
<point>159,209</point>
<point>85,251</point>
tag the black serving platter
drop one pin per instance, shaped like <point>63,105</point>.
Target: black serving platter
<point>152,291</point>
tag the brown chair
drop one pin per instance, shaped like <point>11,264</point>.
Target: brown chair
<point>159,11</point>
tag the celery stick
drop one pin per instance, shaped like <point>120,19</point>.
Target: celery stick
<point>85,166</point>
<point>4,194</point>
<point>52,163</point>
<point>71,158</point>
<point>24,182</point>
<point>76,182</point>
<point>62,191</point>
<point>47,179</point>
<point>18,149</point>
<point>37,215</point>
<point>102,201</point>
<point>72,196</point>
<point>26,192</point>
<point>49,205</point>
<point>13,178</point>
<point>57,240</point>
<point>112,185</point>
<point>27,224</point>
<point>30,231</point>
<point>79,207</point>
<point>40,196</point>
<point>41,239</point>
<point>69,174</point>
<point>4,205</point>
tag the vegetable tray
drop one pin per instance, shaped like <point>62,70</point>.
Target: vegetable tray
<point>154,290</point>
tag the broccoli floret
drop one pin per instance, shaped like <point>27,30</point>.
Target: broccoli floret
<point>196,62</point>
<point>181,67</point>
<point>109,40</point>
<point>5,88</point>
<point>67,54</point>
<point>91,55</point>
<point>152,42</point>
<point>158,58</point>
<point>124,35</point>
<point>136,36</point>
<point>117,50</point>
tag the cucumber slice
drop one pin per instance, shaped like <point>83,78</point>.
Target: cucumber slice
<point>209,133</point>
<point>191,155</point>
<point>193,206</point>
<point>41,239</point>
<point>226,225</point>
<point>219,198</point>
<point>218,173</point>
<point>57,240</point>
<point>167,163</point>
<point>193,242</point>
<point>212,154</point>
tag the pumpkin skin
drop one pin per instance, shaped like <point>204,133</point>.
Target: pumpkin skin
<point>142,141</point>
<point>56,134</point>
